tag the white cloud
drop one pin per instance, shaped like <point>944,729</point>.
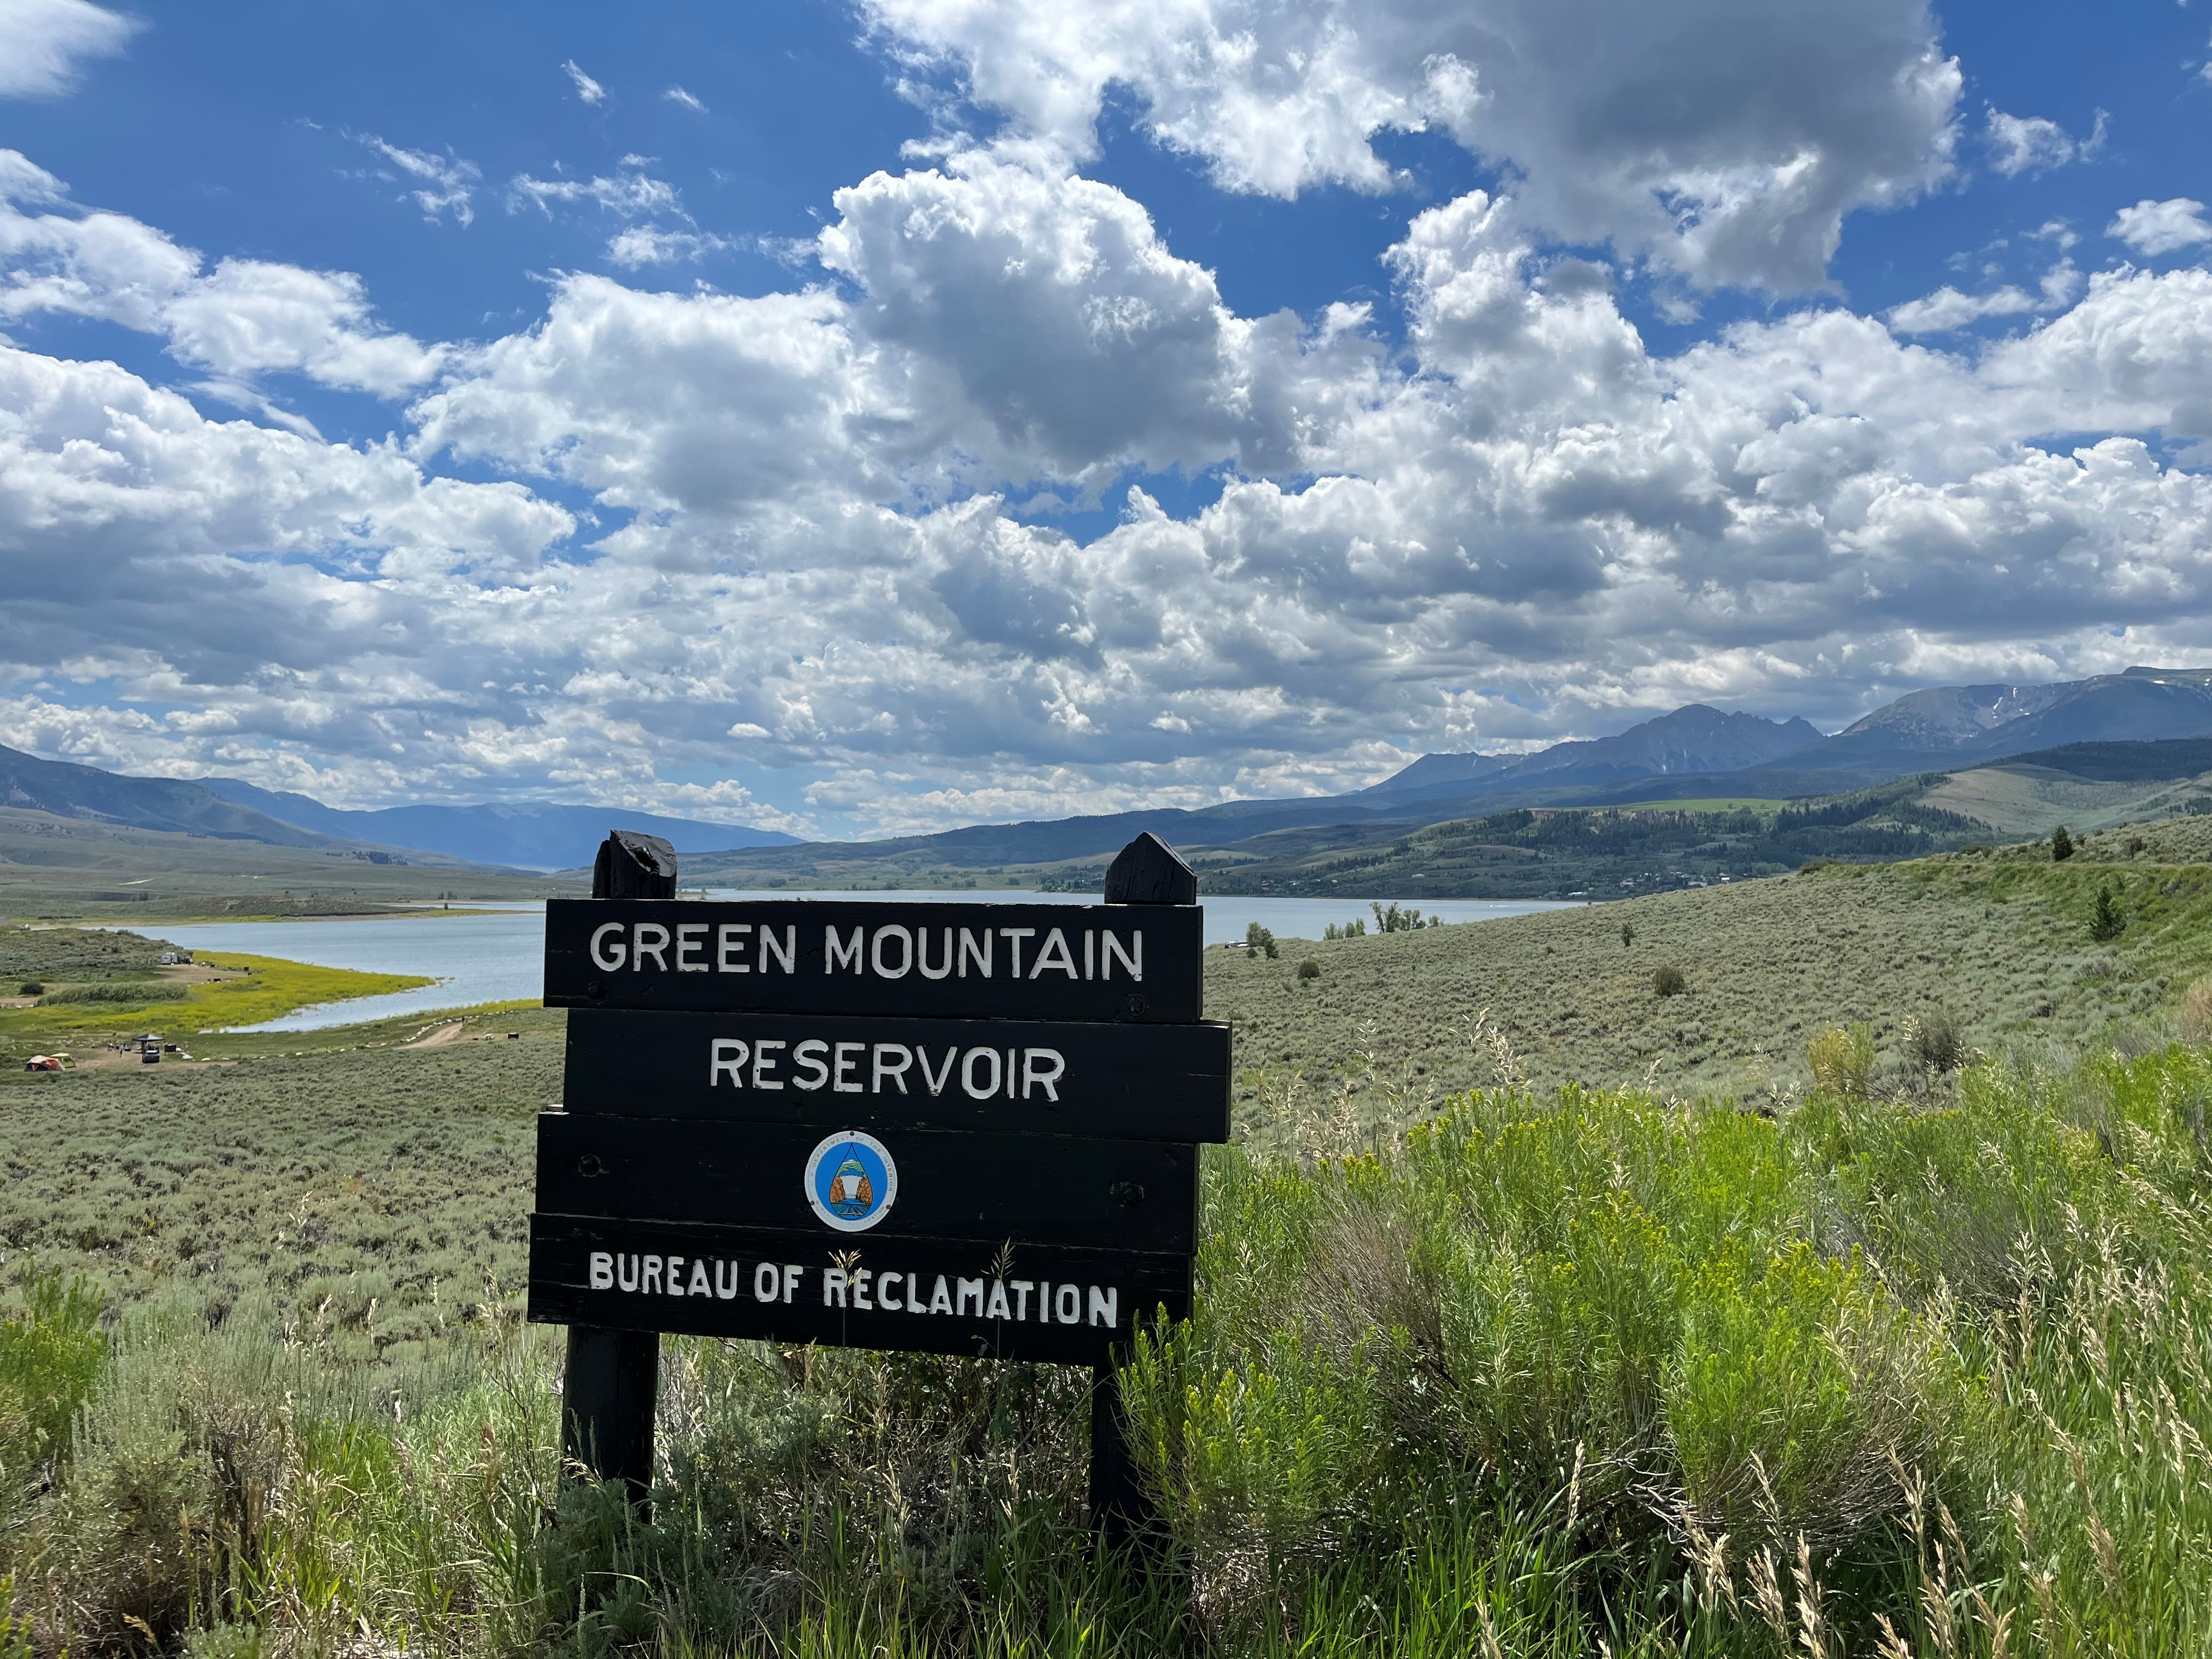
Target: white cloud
<point>2031,144</point>
<point>448,183</point>
<point>1947,309</point>
<point>244,318</point>
<point>45,43</point>
<point>587,88</point>
<point>805,547</point>
<point>1727,138</point>
<point>2152,228</point>
<point>640,246</point>
<point>677,95</point>
<point>629,192</point>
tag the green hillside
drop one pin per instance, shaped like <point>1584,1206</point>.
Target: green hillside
<point>66,867</point>
<point>1395,1022</point>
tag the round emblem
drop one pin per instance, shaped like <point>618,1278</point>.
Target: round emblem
<point>851,1181</point>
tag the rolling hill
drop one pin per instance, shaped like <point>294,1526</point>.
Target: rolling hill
<point>530,836</point>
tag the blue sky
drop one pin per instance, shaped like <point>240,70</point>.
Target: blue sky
<point>863,420</point>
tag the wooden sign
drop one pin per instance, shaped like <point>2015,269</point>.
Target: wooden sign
<point>952,1128</point>
<point>1154,1083</point>
<point>1086,962</point>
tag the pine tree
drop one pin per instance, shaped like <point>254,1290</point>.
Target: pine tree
<point>2107,923</point>
<point>2062,845</point>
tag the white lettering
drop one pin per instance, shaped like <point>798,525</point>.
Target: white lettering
<point>835,951</point>
<point>1132,965</point>
<point>921,954</point>
<point>807,1056</point>
<point>882,1068</point>
<point>725,1280</point>
<point>860,1277</point>
<point>765,1062</point>
<point>968,1073</point>
<point>690,938</point>
<point>981,953</point>
<point>1015,936</point>
<point>833,1287</point>
<point>1090,951</point>
<point>792,1275</point>
<point>600,960</point>
<point>675,1275</point>
<point>785,950</point>
<point>1055,944</point>
<point>886,1297</point>
<point>626,1273</point>
<point>650,1279</point>
<point>940,1299</point>
<point>999,1309</point>
<point>1067,1305</point>
<point>728,1054</point>
<point>1106,1307</point>
<point>1035,1076</point>
<point>729,947</point>
<point>603,1271</point>
<point>764,1282</point>
<point>936,1080</point>
<point>967,1290</point>
<point>699,1283</point>
<point>906,953</point>
<point>641,946</point>
<point>848,1059</point>
<point>1022,1287</point>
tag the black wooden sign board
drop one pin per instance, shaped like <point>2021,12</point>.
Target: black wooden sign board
<point>955,1128</point>
<point>1065,962</point>
<point>1038,1077</point>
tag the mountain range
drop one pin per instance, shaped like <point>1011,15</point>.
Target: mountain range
<point>1693,752</point>
<point>536,837</point>
<point>528,837</point>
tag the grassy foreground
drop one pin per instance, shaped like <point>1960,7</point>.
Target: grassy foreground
<point>1561,1373</point>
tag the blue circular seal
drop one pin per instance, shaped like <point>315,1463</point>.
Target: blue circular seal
<point>851,1181</point>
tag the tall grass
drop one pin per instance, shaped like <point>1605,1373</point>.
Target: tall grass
<point>1564,1374</point>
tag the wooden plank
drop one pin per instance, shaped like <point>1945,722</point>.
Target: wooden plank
<point>799,1287</point>
<point>1119,962</point>
<point>1030,1189</point>
<point>1151,1083</point>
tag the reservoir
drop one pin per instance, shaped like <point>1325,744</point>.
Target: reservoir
<point>500,956</point>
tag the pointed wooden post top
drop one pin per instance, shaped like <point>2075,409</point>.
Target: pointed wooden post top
<point>1150,871</point>
<point>632,865</point>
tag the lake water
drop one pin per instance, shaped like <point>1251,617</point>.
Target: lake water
<point>500,957</point>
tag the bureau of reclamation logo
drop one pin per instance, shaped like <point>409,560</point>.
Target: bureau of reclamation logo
<point>851,1181</point>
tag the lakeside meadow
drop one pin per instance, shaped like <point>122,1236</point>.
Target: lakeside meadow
<point>1852,1299</point>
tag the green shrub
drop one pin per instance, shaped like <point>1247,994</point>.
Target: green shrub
<point>1259,941</point>
<point>1310,969</point>
<point>30,987</point>
<point>1667,980</point>
<point>51,1355</point>
<point>1842,1058</point>
<point>116,991</point>
<point>1934,1040</point>
<point>1627,935</point>
<point>2062,845</point>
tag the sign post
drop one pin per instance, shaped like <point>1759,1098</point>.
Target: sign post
<point>949,1128</point>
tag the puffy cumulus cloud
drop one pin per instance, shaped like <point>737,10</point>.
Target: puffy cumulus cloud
<point>45,43</point>
<point>1727,138</point>
<point>243,319</point>
<point>2152,228</point>
<point>1044,309</point>
<point>803,551</point>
